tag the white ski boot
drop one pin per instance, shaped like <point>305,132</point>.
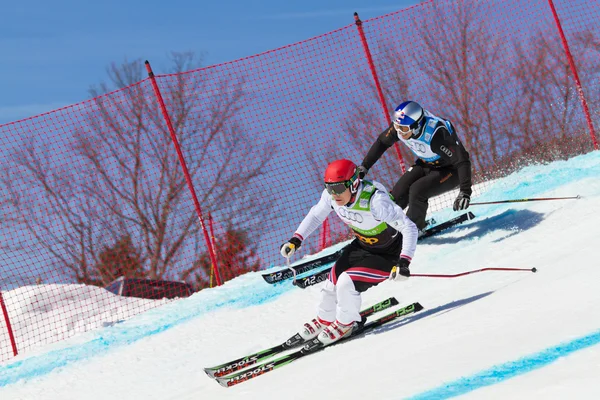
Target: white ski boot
<point>313,328</point>
<point>335,331</point>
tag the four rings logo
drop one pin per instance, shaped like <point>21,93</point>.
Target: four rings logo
<point>446,150</point>
<point>418,147</point>
<point>350,215</point>
<point>367,240</point>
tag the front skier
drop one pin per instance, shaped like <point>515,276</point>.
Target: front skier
<point>384,246</point>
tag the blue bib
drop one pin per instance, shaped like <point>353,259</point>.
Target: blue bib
<point>421,146</point>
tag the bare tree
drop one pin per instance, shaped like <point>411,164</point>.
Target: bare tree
<point>506,99</point>
<point>467,82</point>
<point>550,120</point>
<point>366,119</point>
<point>364,122</point>
<point>369,119</point>
<point>114,173</point>
<point>454,72</point>
<point>236,255</point>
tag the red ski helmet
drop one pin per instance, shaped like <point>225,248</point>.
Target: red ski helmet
<point>341,175</point>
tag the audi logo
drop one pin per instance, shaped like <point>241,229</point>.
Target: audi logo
<point>419,147</point>
<point>446,150</point>
<point>350,215</point>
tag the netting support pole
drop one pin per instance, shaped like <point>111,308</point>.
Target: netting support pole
<point>325,233</point>
<point>11,335</point>
<point>215,267</point>
<point>186,173</point>
<point>575,75</point>
<point>386,112</point>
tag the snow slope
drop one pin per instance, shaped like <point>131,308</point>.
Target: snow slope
<point>488,335</point>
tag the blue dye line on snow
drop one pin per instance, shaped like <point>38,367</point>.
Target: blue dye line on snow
<point>508,370</point>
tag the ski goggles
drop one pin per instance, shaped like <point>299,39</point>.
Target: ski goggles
<point>337,188</point>
<point>402,128</point>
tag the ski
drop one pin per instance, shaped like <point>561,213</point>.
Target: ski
<point>434,230</point>
<point>294,341</point>
<point>313,279</point>
<point>312,347</point>
<point>275,277</point>
<point>321,276</point>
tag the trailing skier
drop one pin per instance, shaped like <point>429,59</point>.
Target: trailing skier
<point>442,164</point>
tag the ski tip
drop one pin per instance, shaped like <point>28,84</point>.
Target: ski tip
<point>210,373</point>
<point>222,382</point>
<point>394,301</point>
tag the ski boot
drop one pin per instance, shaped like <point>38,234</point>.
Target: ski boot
<point>313,328</point>
<point>335,331</point>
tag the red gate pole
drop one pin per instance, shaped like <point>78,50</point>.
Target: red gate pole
<point>586,110</point>
<point>13,343</point>
<point>363,39</point>
<point>188,179</point>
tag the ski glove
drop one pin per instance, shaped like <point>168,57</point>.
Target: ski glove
<point>462,201</point>
<point>361,171</point>
<point>287,249</point>
<point>400,271</point>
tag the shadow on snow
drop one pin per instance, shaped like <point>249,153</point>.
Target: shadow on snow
<point>511,221</point>
<point>426,313</point>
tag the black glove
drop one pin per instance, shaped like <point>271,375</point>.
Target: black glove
<point>288,248</point>
<point>400,272</point>
<point>462,201</point>
<point>361,171</point>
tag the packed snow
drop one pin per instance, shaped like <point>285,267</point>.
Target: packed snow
<point>487,335</point>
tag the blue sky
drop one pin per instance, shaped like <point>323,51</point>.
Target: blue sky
<point>53,52</point>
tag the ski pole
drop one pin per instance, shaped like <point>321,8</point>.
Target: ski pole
<point>522,200</point>
<point>472,272</point>
<point>287,259</point>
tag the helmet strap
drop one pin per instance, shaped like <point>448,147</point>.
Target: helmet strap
<point>354,189</point>
<point>354,183</point>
